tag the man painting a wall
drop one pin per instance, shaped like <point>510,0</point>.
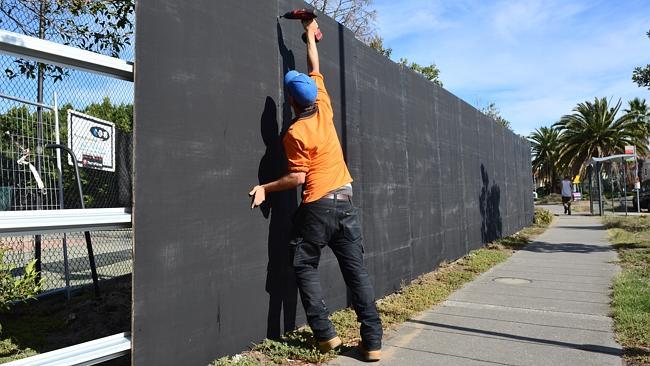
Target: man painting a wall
<point>326,216</point>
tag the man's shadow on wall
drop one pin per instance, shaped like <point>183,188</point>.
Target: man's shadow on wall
<point>489,200</point>
<point>279,207</point>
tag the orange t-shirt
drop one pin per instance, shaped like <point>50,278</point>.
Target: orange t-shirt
<point>312,147</point>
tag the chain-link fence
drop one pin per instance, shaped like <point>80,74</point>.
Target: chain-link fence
<point>28,171</point>
<point>29,174</point>
<point>112,252</point>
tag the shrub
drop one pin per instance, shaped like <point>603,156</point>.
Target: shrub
<point>13,288</point>
<point>550,199</point>
<point>543,217</point>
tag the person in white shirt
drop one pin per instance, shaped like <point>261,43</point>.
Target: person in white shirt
<point>567,195</point>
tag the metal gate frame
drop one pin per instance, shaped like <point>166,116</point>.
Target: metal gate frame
<point>53,53</point>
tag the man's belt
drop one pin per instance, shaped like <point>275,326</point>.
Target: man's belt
<point>338,196</point>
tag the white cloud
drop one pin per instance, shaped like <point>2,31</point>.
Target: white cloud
<point>515,19</point>
<point>536,59</point>
<point>397,19</point>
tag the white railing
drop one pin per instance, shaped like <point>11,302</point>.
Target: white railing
<point>36,49</point>
<point>35,222</point>
<point>83,354</point>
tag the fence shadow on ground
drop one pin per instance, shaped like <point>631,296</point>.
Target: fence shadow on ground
<point>590,227</point>
<point>523,339</point>
<point>541,247</point>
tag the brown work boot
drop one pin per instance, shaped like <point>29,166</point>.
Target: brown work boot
<point>369,356</point>
<point>326,346</point>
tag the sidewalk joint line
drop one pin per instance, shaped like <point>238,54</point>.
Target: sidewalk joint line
<point>540,297</point>
<point>495,306</point>
<point>543,288</point>
<point>455,356</point>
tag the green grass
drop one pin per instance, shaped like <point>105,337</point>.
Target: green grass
<point>549,199</point>
<point>10,351</point>
<point>247,360</point>
<point>421,294</point>
<point>631,295</point>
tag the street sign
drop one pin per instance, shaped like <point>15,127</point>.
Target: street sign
<point>92,140</point>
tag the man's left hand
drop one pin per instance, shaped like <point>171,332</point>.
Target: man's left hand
<point>258,194</point>
<point>310,25</point>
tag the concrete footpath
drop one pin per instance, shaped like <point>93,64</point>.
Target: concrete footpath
<point>546,305</point>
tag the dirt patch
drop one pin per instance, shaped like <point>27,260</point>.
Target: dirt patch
<point>54,322</point>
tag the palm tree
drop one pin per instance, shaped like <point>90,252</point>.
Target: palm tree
<point>639,109</point>
<point>545,143</point>
<point>593,130</point>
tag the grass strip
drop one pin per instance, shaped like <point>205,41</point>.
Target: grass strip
<point>297,347</point>
<point>631,296</point>
<point>550,199</point>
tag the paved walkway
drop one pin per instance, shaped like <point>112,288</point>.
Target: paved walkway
<point>546,305</point>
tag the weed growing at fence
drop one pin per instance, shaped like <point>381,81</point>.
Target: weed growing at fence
<point>631,296</point>
<point>19,288</point>
<point>14,289</point>
<point>421,294</point>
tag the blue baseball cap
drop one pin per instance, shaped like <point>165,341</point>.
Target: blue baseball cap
<point>301,87</point>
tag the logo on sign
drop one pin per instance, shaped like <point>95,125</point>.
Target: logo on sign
<point>99,133</point>
<point>92,161</point>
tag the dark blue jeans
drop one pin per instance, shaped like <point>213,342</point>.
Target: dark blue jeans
<point>333,223</point>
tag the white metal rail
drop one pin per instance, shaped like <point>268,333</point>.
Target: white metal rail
<point>83,354</point>
<point>14,223</point>
<point>23,46</point>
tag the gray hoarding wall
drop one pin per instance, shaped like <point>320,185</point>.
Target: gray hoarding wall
<point>434,177</point>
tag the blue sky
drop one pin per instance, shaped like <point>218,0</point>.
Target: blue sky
<point>535,59</point>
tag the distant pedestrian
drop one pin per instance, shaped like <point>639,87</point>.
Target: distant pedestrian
<point>567,195</point>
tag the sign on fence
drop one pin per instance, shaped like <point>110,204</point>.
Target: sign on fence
<point>92,140</point>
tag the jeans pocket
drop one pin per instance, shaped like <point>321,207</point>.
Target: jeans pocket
<point>312,224</point>
<point>294,251</point>
<point>351,226</point>
<point>303,252</point>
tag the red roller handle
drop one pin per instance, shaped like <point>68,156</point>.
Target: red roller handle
<point>302,14</point>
